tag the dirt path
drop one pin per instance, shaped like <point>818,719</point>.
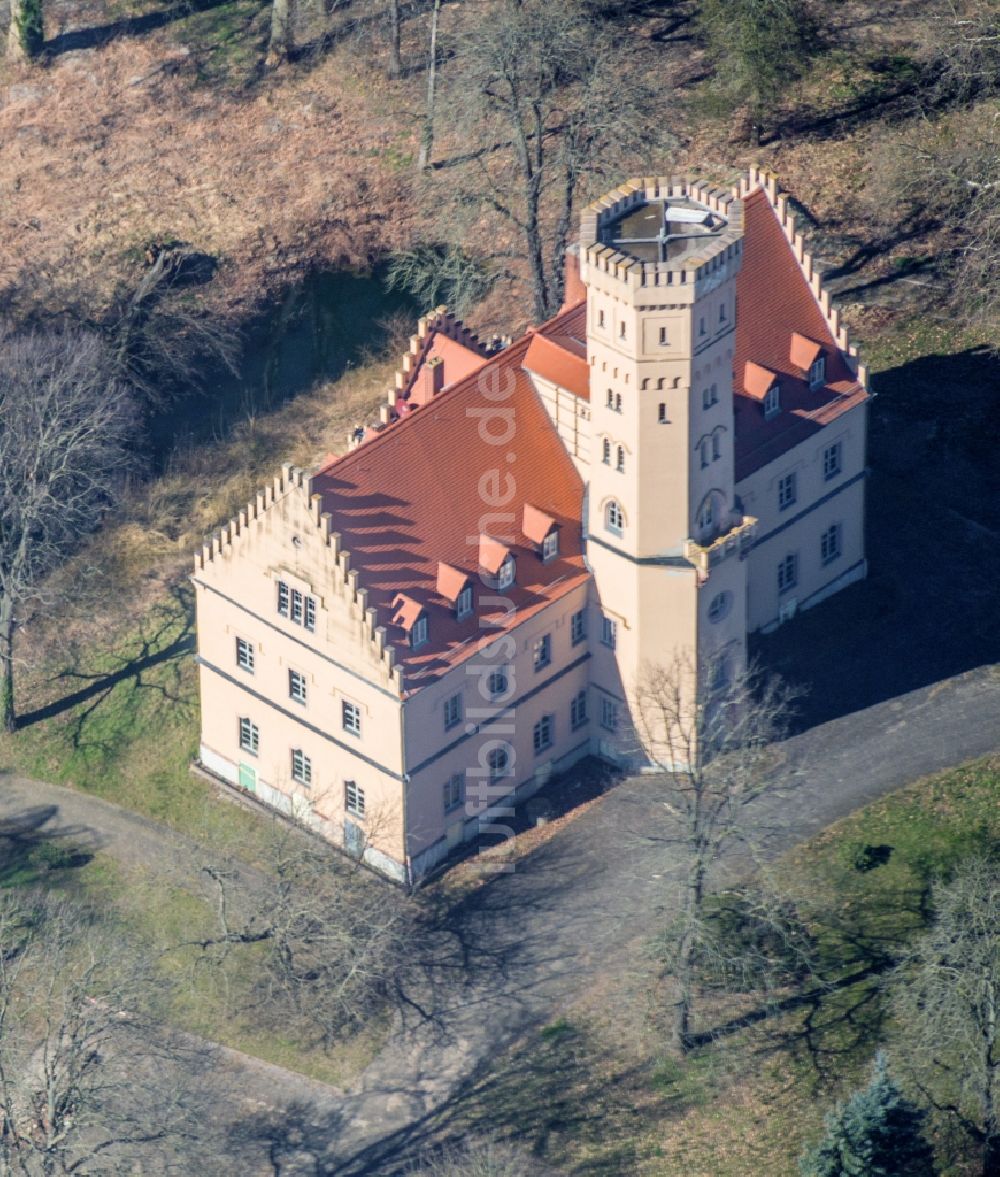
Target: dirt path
<point>529,943</point>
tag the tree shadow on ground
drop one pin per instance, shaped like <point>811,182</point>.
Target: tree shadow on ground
<point>929,608</point>
<point>127,26</point>
<point>166,635</point>
<point>32,851</point>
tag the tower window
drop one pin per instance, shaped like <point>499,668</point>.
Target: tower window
<point>705,453</point>
<point>607,452</point>
<point>706,515</point>
<point>614,520</point>
<point>620,466</point>
<point>701,326</point>
<point>618,402</point>
<point>600,318</point>
<point>661,415</point>
<point>611,399</point>
<point>716,447</point>
<point>663,336</point>
<point>722,313</point>
<point>621,329</point>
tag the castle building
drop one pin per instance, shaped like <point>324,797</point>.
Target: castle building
<point>398,644</point>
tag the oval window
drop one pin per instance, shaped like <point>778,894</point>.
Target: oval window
<point>720,606</point>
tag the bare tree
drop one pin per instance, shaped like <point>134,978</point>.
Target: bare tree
<point>961,43</point>
<point>711,732</point>
<point>81,1047</point>
<point>946,999</point>
<point>336,940</point>
<point>280,43</point>
<point>548,95</point>
<point>427,136</point>
<point>395,39</point>
<point>67,428</point>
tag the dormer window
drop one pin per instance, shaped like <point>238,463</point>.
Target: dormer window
<point>505,576</point>
<point>411,617</point>
<point>418,632</point>
<point>550,546</point>
<point>772,402</point>
<point>463,606</point>
<point>817,372</point>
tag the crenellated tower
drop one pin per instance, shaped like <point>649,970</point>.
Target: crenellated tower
<point>666,534</point>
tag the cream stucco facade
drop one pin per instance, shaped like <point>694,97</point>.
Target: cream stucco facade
<point>698,514</point>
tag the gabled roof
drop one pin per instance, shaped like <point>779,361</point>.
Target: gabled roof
<point>410,500</point>
<point>558,351</point>
<point>775,301</point>
<point>492,554</point>
<point>758,380</point>
<point>804,352</point>
<point>535,524</point>
<point>450,582</point>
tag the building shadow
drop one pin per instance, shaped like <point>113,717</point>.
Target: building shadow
<point>34,851</point>
<point>930,608</point>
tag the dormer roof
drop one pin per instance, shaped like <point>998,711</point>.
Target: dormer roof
<point>804,351</point>
<point>406,611</point>
<point>451,581</point>
<point>536,524</point>
<point>492,554</point>
<point>758,380</point>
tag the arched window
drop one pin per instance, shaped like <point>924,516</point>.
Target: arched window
<point>618,402</point>
<point>716,446</point>
<point>705,452</point>
<point>719,606</point>
<point>614,520</point>
<point>620,466</point>
<point>611,399</point>
<point>497,759</point>
<point>645,383</point>
<point>659,383</point>
<point>607,452</point>
<point>706,514</point>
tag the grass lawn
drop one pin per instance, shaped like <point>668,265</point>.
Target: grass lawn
<point>595,1097</point>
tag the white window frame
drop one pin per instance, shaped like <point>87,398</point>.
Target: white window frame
<point>788,573</point>
<point>817,372</point>
<point>830,544</point>
<point>620,460</point>
<point>418,632</point>
<point>578,711</point>
<point>498,762</point>
<point>832,460</point>
<point>284,596</point>
<point>543,734</point>
<point>354,799</point>
<point>350,717</point>
<point>301,767</point>
<point>578,627</point>
<point>452,711</point>
<point>609,714</point>
<point>609,632</point>
<point>505,574</point>
<point>498,683</point>
<point>550,546</point>
<point>788,490</point>
<point>249,736</point>
<point>772,402</point>
<point>298,688</point>
<point>541,652</point>
<point>614,520</point>
<point>464,603</point>
<point>453,792</point>
<point>606,452</point>
<point>245,658</point>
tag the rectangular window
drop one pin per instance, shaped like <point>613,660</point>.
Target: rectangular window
<point>661,415</point>
<point>505,577</point>
<point>244,655</point>
<point>542,736</point>
<point>772,401</point>
<point>418,634</point>
<point>609,632</point>
<point>249,737</point>
<point>788,572</point>
<point>787,491</point>
<point>354,798</point>
<point>542,651</point>
<point>578,710</point>
<point>600,318</point>
<point>817,372</point>
<point>832,461</point>
<point>609,715</point>
<point>663,336</point>
<point>463,606</point>
<point>621,329</point>
<point>310,614</point>
<point>452,712</point>
<point>296,607</point>
<point>454,792</point>
<point>350,715</point>
<point>550,546</point>
<point>283,598</point>
<point>297,686</point>
<point>829,544</point>
<point>578,627</point>
<point>497,683</point>
<point>302,769</point>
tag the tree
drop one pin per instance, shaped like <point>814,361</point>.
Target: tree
<point>67,434</point>
<point>26,37</point>
<point>280,43</point>
<point>757,47</point>
<point>82,1051</point>
<point>427,136</point>
<point>946,1001</point>
<point>876,1133</point>
<point>395,40</point>
<point>336,941</point>
<point>711,733</point>
<point>548,96</point>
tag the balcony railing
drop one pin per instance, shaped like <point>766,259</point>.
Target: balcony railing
<point>737,541</point>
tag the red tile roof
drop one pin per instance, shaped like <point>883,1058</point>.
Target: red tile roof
<point>803,352</point>
<point>774,302</point>
<point>536,524</point>
<point>414,497</point>
<point>450,582</point>
<point>551,360</point>
<point>757,380</point>
<point>492,554</point>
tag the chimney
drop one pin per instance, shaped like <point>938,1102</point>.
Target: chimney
<point>574,290</point>
<point>429,382</point>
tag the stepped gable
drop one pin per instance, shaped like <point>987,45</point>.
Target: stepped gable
<point>416,496</point>
<point>558,351</point>
<point>779,298</point>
